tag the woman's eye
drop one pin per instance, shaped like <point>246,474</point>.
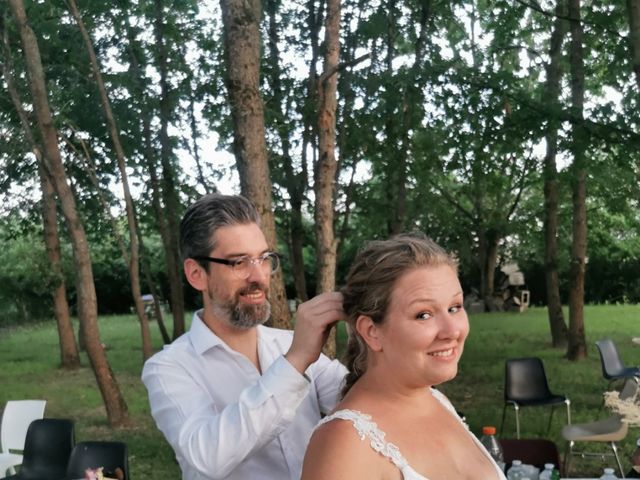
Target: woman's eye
<point>455,309</point>
<point>423,316</point>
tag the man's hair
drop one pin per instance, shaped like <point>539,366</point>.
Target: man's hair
<point>204,217</point>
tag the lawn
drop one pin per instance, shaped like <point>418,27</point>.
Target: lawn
<point>30,358</point>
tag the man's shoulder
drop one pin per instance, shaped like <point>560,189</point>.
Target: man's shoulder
<point>180,348</point>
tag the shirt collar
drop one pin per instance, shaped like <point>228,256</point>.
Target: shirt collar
<point>202,337</point>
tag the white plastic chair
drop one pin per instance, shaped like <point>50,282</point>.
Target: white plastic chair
<point>16,418</point>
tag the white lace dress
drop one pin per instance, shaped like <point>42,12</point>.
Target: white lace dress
<point>369,429</point>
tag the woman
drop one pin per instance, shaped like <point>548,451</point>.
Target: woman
<point>407,328</point>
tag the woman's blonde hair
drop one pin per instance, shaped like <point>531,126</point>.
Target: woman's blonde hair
<point>370,283</point>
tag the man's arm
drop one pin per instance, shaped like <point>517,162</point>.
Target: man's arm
<point>213,441</point>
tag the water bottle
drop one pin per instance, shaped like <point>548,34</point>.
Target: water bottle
<point>547,473</point>
<point>490,442</point>
<point>608,474</point>
<point>515,472</point>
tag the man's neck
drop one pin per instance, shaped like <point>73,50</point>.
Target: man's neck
<point>243,341</point>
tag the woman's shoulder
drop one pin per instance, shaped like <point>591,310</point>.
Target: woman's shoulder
<point>336,450</point>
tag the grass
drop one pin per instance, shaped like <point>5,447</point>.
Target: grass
<point>29,357</point>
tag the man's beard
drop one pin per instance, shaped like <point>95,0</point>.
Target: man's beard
<point>243,316</point>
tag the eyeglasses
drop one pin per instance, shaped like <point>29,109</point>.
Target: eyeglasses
<point>241,267</point>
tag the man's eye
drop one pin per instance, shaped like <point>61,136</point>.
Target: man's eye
<point>423,316</point>
<point>455,309</point>
<point>239,262</point>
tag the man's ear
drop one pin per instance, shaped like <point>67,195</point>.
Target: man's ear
<point>370,332</point>
<point>196,274</point>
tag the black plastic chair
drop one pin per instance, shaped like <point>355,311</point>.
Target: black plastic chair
<point>111,456</point>
<point>47,447</point>
<point>613,368</point>
<point>526,385</point>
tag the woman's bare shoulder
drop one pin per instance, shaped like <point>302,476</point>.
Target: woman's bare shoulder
<point>337,452</point>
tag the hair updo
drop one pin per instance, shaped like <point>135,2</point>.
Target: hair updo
<point>371,280</point>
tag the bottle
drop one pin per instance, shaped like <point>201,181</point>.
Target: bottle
<point>608,474</point>
<point>547,473</point>
<point>515,472</point>
<point>490,442</point>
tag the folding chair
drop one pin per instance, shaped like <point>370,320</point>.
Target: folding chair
<point>16,418</point>
<point>46,450</point>
<point>526,385</point>
<point>610,430</point>
<point>613,368</point>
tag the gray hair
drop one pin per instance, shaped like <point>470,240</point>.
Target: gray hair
<point>211,212</point>
<point>370,282</point>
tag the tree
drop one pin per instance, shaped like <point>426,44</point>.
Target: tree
<point>169,230</point>
<point>242,53</point>
<point>87,309</point>
<point>633,8</point>
<point>133,256</point>
<point>69,356</point>
<point>551,185</point>
<point>577,346</point>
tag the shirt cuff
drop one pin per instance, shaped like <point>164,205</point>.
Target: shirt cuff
<point>281,378</point>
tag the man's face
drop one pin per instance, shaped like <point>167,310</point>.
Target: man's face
<point>241,303</point>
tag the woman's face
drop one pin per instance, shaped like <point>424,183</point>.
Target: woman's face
<point>423,334</point>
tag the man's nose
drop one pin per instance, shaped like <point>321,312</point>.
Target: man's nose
<point>257,271</point>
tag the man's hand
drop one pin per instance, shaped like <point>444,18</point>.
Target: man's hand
<point>314,320</point>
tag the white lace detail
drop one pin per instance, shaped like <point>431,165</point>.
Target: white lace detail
<point>368,428</point>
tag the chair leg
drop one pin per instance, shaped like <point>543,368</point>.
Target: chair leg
<point>568,452</point>
<point>614,447</point>
<point>517,408</point>
<point>504,412</point>
<point>568,403</point>
<point>553,407</point>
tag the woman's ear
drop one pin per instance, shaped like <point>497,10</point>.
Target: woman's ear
<point>370,332</point>
<point>196,274</point>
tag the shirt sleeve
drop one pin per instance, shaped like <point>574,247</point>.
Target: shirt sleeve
<point>216,442</point>
<point>328,376</point>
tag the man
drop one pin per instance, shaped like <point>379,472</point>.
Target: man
<point>236,399</point>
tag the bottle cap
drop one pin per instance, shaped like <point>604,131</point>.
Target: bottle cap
<point>516,462</point>
<point>488,430</point>
<point>549,466</point>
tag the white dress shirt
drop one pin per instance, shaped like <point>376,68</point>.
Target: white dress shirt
<point>224,419</point>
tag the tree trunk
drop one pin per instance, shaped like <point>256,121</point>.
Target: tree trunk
<point>87,304</point>
<point>633,8</point>
<point>195,149</point>
<point>325,171</point>
<point>557,324</point>
<point>69,355</point>
<point>149,156</point>
<point>133,259</point>
<point>170,195</point>
<point>577,347</point>
<point>241,21</point>
<point>295,184</point>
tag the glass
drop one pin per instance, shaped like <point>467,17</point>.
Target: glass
<point>268,263</point>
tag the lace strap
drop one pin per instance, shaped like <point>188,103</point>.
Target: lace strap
<point>368,428</point>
